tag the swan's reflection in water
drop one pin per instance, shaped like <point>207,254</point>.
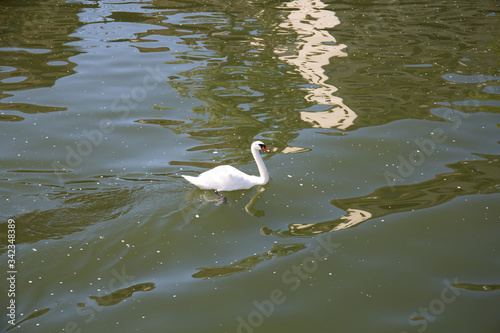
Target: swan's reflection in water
<point>200,197</point>
<point>313,50</point>
<point>249,208</point>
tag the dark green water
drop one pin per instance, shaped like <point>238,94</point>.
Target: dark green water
<point>382,213</point>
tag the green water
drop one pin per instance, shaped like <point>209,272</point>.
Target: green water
<point>382,213</point>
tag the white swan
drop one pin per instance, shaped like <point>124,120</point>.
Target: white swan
<point>228,178</point>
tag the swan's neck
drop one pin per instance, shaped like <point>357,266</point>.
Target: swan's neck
<point>264,176</point>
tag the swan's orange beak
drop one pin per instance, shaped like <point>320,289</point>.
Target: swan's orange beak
<point>263,147</point>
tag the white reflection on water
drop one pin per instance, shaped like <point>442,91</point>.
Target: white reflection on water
<point>352,218</point>
<point>312,51</point>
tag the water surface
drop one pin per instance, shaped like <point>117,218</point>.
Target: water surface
<point>382,209</point>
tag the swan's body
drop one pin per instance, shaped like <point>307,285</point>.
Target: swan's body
<point>228,178</point>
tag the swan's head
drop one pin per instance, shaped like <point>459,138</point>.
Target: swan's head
<point>258,145</point>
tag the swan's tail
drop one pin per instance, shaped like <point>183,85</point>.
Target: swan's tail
<point>190,179</point>
<point>195,181</point>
